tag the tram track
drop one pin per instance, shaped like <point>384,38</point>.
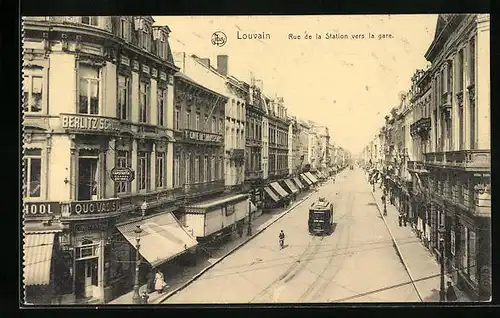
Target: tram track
<point>345,236</point>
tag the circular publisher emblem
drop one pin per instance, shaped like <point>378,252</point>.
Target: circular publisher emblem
<point>219,38</point>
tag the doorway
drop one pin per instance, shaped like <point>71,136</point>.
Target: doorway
<point>88,178</point>
<point>86,277</point>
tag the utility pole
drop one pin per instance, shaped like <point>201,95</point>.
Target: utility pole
<point>136,298</point>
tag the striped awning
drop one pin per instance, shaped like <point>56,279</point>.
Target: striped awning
<point>271,194</point>
<point>38,248</point>
<point>290,185</point>
<point>298,183</point>
<point>276,186</point>
<point>306,179</point>
<point>311,177</point>
<point>162,238</point>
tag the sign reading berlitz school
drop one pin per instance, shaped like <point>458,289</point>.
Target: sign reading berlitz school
<point>201,136</point>
<point>89,123</point>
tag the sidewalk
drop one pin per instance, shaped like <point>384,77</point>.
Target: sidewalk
<point>188,273</point>
<point>421,265</point>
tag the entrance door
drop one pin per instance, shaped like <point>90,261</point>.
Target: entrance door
<point>86,276</point>
<point>87,178</point>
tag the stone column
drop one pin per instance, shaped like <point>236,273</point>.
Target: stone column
<point>110,190</point>
<point>133,184</point>
<point>152,184</point>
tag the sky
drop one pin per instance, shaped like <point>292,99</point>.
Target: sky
<point>348,84</point>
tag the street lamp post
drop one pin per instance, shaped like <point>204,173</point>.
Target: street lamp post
<point>136,298</point>
<point>249,230</point>
<point>441,250</point>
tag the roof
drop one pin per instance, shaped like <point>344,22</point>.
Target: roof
<point>192,81</point>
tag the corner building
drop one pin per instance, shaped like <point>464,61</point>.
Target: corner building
<point>98,94</point>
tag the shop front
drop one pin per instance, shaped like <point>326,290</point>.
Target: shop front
<point>272,198</point>
<point>311,177</point>
<point>307,182</point>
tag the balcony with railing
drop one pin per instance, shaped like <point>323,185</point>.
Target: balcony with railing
<point>153,199</point>
<point>237,154</point>
<point>251,142</point>
<point>203,188</point>
<point>198,137</point>
<point>468,160</point>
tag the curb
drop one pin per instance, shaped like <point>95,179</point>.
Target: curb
<point>195,277</point>
<point>395,243</point>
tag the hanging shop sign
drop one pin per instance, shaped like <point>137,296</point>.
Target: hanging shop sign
<point>86,123</point>
<point>79,208</point>
<point>125,174</point>
<point>201,136</point>
<point>41,208</point>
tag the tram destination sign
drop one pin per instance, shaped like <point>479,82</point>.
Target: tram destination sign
<point>124,174</point>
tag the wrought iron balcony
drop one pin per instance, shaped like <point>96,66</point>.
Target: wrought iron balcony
<point>203,188</point>
<point>416,166</point>
<point>467,160</point>
<point>237,154</point>
<point>250,142</point>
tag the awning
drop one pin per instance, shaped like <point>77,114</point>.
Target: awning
<point>276,186</point>
<point>310,176</point>
<point>320,174</point>
<point>306,179</point>
<point>298,183</point>
<point>203,205</point>
<point>271,194</point>
<point>290,185</point>
<point>162,238</point>
<point>38,249</point>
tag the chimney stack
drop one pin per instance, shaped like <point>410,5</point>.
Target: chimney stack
<point>222,66</point>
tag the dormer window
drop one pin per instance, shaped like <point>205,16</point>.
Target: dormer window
<point>145,35</point>
<point>90,20</point>
<point>125,29</point>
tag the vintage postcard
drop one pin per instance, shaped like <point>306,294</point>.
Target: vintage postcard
<point>256,159</point>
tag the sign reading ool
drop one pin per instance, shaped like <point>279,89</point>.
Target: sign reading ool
<point>41,208</point>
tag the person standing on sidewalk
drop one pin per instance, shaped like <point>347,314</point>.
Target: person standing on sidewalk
<point>451,295</point>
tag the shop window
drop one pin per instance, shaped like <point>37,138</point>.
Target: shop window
<point>123,97</point>
<point>32,173</point>
<point>144,102</point>
<point>89,90</point>
<point>464,250</point>
<point>160,169</point>
<point>177,172</point>
<point>88,176</point>
<point>33,93</point>
<point>90,20</point>
<point>162,100</point>
<point>143,166</point>
<point>122,161</point>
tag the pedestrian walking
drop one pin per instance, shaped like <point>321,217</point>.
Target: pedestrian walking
<point>150,286</point>
<point>400,219</point>
<point>159,281</point>
<point>450,293</point>
<point>144,297</point>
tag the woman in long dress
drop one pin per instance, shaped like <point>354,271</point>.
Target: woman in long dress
<point>159,281</point>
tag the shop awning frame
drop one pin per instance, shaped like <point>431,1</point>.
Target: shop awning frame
<point>162,238</point>
<point>290,185</point>
<point>205,206</point>
<point>311,177</point>
<point>272,194</point>
<point>298,183</point>
<point>306,179</point>
<point>37,261</point>
<point>276,186</point>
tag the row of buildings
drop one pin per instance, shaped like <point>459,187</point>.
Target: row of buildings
<point>434,150</point>
<point>120,131</point>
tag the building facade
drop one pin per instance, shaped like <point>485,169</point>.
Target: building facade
<point>98,92</point>
<point>278,139</point>
<point>254,147</point>
<point>459,161</point>
<point>446,150</point>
